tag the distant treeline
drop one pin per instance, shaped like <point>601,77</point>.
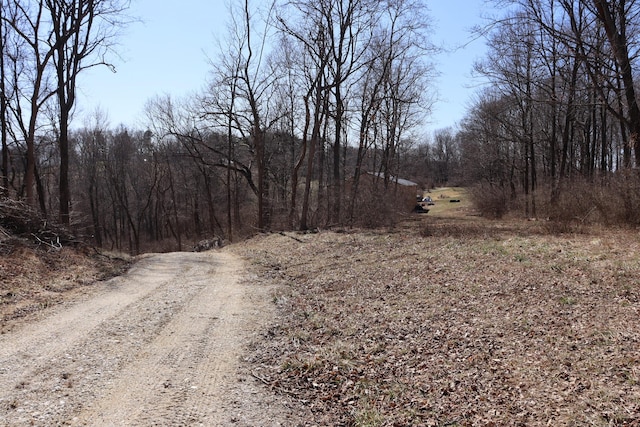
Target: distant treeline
<point>308,100</point>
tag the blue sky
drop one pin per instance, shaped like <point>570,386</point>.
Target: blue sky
<point>166,53</point>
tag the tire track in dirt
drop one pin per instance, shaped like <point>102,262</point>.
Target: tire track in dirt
<point>158,346</point>
<point>178,377</point>
<point>40,342</point>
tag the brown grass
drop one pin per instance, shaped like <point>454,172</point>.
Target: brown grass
<point>455,322</point>
<point>33,279</point>
<point>443,320</point>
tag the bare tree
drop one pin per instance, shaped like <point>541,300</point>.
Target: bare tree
<point>82,33</point>
<point>562,70</point>
<point>92,154</point>
<point>614,15</point>
<point>244,69</point>
<point>4,168</point>
<point>308,32</point>
<point>48,43</point>
<point>292,103</point>
<point>30,55</point>
<point>444,155</point>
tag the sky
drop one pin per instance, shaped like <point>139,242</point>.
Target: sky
<point>167,51</point>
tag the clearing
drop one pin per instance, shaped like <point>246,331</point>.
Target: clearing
<point>456,322</point>
<point>446,320</point>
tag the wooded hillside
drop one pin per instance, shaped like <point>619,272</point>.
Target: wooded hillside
<point>305,98</point>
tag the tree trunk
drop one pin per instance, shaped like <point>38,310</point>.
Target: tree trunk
<point>3,112</point>
<point>298,165</point>
<point>619,45</point>
<point>65,196</point>
<point>337,187</point>
<point>314,142</point>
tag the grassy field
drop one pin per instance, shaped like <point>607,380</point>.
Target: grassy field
<point>443,205</point>
<point>452,320</point>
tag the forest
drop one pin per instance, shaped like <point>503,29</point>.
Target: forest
<point>312,114</point>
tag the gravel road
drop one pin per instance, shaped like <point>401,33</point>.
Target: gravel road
<point>158,346</point>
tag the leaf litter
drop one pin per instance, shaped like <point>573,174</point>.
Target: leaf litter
<point>454,323</point>
<point>436,323</point>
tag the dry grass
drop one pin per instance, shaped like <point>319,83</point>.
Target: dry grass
<point>443,206</point>
<point>445,320</point>
<point>455,322</point>
<point>33,279</point>
<point>42,264</point>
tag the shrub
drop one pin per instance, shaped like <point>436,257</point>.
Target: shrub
<point>575,202</point>
<point>375,212</point>
<point>620,200</point>
<point>611,201</point>
<point>490,200</point>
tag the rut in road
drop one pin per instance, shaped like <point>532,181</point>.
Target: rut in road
<point>158,346</point>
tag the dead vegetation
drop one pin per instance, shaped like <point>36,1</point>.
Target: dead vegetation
<point>42,264</point>
<point>441,321</point>
<point>456,322</point>
<point>32,279</point>
<point>19,221</point>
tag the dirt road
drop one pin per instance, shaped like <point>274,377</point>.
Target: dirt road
<point>158,346</point>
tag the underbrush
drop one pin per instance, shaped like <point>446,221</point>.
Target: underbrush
<point>464,323</point>
<point>42,264</point>
<point>610,201</point>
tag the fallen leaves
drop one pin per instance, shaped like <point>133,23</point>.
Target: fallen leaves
<point>497,326</point>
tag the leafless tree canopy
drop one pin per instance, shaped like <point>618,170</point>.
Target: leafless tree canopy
<point>561,110</point>
<point>306,102</point>
<point>45,45</point>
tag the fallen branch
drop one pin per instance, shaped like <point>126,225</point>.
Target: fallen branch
<point>274,387</point>
<point>256,376</point>
<point>291,237</point>
<point>54,245</point>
